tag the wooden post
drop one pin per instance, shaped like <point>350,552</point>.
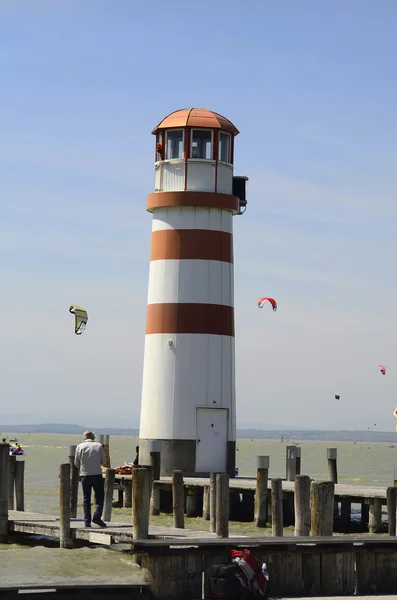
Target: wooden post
<point>11,489</point>
<point>298,460</point>
<point>74,482</point>
<point>375,515</point>
<point>206,503</point>
<point>395,477</point>
<point>110,476</point>
<point>364,513</point>
<point>302,505</point>
<point>222,505</point>
<point>213,502</point>
<point>140,503</point>
<point>20,485</point>
<point>277,507</point>
<point>191,501</point>
<point>155,499</point>
<point>332,465</point>
<point>149,470</point>
<point>155,462</point>
<point>106,449</point>
<point>345,512</point>
<point>288,509</point>
<point>322,508</point>
<point>154,447</point>
<point>333,476</point>
<point>391,496</point>
<point>65,540</point>
<point>4,489</point>
<point>178,500</point>
<point>127,502</point>
<point>262,476</point>
<point>290,469</point>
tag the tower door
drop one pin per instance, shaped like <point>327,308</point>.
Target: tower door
<point>211,440</point>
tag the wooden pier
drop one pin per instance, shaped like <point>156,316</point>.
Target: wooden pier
<point>175,561</point>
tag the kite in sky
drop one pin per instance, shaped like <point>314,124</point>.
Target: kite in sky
<point>80,318</point>
<point>262,301</point>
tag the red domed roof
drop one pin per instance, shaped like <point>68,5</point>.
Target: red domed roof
<point>196,117</point>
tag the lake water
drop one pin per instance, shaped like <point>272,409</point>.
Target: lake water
<point>360,463</point>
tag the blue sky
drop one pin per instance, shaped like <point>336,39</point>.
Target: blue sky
<point>311,87</point>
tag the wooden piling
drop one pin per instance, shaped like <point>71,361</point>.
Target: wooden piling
<point>213,502</point>
<point>262,476</point>
<point>127,501</point>
<point>298,460</point>
<point>395,477</point>
<point>364,513</point>
<point>345,512</point>
<point>110,476</point>
<point>332,464</point>
<point>65,540</point>
<point>4,491</point>
<point>191,501</point>
<point>140,503</point>
<point>106,449</point>
<point>206,503</point>
<point>222,505</point>
<point>178,500</point>
<point>288,510</point>
<point>391,497</point>
<point>74,481</point>
<point>154,447</point>
<point>155,462</point>
<point>155,499</point>
<point>150,471</point>
<point>20,485</point>
<point>277,507</point>
<point>302,505</point>
<point>322,508</point>
<point>11,483</point>
<point>290,466</point>
<point>375,515</point>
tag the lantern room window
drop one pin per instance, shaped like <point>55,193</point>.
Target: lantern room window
<point>201,144</point>
<point>174,143</point>
<point>224,147</point>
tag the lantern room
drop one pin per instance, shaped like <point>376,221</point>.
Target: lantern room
<point>194,152</point>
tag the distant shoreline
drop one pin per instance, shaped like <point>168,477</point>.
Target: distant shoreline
<point>289,435</point>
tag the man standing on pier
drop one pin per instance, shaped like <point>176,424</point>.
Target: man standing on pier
<point>89,459</point>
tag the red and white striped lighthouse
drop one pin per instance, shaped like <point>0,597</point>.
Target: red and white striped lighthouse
<point>188,391</point>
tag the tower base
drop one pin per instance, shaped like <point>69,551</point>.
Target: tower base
<point>181,455</point>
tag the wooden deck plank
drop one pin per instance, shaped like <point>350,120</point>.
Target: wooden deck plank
<point>348,540</point>
<point>143,582</point>
<point>41,524</point>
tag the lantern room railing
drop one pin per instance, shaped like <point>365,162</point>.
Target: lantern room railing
<point>198,175</point>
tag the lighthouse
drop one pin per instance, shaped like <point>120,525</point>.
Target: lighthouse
<point>188,390</point>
